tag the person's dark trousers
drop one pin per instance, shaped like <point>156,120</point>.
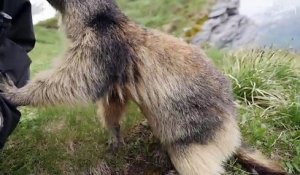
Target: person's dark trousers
<point>15,42</point>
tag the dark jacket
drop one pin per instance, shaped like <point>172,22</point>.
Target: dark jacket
<point>14,61</point>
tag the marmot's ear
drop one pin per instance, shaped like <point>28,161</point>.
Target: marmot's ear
<point>58,4</point>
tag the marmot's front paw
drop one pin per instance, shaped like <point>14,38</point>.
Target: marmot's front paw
<point>7,87</point>
<point>6,83</point>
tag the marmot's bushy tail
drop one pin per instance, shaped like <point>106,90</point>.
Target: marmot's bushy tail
<point>254,161</point>
<point>196,160</point>
<point>208,159</point>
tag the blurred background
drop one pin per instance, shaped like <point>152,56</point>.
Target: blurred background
<point>41,10</point>
<point>255,43</point>
<point>272,22</point>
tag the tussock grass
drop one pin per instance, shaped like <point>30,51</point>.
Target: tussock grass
<point>266,86</point>
<point>263,78</point>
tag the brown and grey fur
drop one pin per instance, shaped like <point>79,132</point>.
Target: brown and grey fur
<point>111,60</point>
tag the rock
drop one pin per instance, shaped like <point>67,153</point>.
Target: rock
<point>220,5</point>
<point>232,11</point>
<point>224,17</point>
<point>232,31</point>
<point>201,37</point>
<point>233,4</point>
<point>236,19</point>
<point>217,12</point>
<point>226,28</point>
<point>211,24</point>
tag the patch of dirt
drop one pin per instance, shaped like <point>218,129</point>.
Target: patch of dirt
<point>146,154</point>
<point>142,155</point>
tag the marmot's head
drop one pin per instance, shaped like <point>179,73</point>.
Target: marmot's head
<point>81,13</point>
<point>81,6</point>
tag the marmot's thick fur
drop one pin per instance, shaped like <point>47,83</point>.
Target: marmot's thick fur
<point>186,100</point>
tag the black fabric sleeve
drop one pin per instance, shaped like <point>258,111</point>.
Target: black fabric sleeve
<point>21,31</point>
<point>14,60</point>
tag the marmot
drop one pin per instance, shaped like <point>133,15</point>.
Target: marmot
<point>111,60</point>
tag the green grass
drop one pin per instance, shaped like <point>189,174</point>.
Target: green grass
<point>57,141</point>
<point>266,85</point>
<point>50,44</point>
<point>65,140</point>
<point>173,14</point>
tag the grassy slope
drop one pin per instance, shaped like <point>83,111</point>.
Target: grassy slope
<point>70,141</point>
<point>172,14</point>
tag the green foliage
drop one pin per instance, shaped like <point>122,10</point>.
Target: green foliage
<point>59,140</point>
<point>264,78</point>
<point>51,23</point>
<point>266,85</point>
<point>215,54</point>
<point>157,13</point>
<point>50,44</point>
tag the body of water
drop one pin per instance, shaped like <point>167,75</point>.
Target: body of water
<point>278,21</point>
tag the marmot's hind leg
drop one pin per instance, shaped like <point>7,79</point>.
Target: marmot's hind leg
<point>111,112</point>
